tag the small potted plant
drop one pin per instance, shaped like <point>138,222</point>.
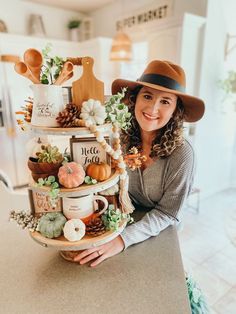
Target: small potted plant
<point>47,162</point>
<point>73,27</point>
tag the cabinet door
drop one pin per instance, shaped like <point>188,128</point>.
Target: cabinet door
<point>165,45</point>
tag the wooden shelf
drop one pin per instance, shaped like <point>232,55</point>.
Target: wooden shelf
<point>105,128</point>
<point>86,242</point>
<point>83,189</point>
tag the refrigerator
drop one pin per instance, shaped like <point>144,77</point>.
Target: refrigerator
<point>14,89</point>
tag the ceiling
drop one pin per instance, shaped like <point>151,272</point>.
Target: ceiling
<point>85,6</point>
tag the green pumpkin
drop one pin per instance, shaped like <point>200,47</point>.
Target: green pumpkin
<point>51,225</point>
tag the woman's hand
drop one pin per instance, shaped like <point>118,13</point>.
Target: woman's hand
<point>101,252</point>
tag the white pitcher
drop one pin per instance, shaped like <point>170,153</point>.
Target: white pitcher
<point>48,102</point>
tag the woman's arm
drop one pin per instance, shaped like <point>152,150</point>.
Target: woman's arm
<point>177,185</point>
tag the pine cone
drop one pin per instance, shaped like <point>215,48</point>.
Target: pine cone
<point>67,117</point>
<point>95,227</point>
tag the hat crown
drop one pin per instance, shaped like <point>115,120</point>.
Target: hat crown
<point>166,69</point>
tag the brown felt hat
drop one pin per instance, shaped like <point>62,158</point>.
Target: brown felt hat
<point>168,77</point>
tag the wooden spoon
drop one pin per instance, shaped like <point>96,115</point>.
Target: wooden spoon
<point>22,69</point>
<point>69,76</point>
<point>65,72</point>
<point>34,60</point>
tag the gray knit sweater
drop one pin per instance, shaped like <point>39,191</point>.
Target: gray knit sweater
<point>159,192</point>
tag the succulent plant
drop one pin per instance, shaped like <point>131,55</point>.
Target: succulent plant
<point>112,218</point>
<point>50,154</point>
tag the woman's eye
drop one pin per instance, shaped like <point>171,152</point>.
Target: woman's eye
<point>147,96</point>
<point>164,102</point>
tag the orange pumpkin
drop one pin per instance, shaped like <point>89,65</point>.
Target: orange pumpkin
<point>99,171</point>
<point>71,175</point>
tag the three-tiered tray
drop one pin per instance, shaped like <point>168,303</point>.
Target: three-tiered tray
<point>94,141</point>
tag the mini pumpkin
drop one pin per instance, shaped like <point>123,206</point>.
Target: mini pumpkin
<point>99,171</point>
<point>51,225</point>
<point>71,175</point>
<point>74,230</point>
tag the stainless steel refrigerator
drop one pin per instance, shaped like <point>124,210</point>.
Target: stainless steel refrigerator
<point>14,89</point>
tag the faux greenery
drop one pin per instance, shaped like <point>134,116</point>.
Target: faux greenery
<point>112,218</point>
<point>54,191</point>
<point>49,154</point>
<point>74,24</point>
<point>197,300</point>
<point>117,111</point>
<point>89,180</point>
<point>228,84</point>
<point>51,67</point>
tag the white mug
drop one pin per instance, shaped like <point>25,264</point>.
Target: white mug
<point>82,207</point>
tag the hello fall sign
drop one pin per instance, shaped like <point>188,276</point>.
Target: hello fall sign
<point>87,150</point>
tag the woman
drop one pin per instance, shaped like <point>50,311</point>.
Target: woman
<point>159,188</point>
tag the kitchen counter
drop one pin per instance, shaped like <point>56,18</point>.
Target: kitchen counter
<point>146,278</point>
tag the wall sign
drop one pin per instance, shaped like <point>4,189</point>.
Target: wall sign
<point>146,15</point>
<point>87,150</point>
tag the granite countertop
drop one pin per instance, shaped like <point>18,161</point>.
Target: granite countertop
<point>146,278</point>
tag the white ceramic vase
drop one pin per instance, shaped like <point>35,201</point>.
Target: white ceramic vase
<point>48,102</point>
<point>74,34</point>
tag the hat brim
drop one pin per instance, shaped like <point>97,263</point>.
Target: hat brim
<point>194,107</point>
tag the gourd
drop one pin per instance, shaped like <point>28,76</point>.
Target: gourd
<point>93,111</point>
<point>51,225</point>
<point>99,171</point>
<point>74,230</point>
<point>71,175</point>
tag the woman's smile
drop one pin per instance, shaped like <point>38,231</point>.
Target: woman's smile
<point>150,117</point>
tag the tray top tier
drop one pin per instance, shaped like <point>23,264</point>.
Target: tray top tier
<point>105,128</point>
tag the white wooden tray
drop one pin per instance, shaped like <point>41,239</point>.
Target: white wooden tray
<point>105,128</point>
<point>86,242</point>
<point>83,189</point>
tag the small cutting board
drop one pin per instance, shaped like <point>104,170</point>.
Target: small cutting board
<point>87,86</point>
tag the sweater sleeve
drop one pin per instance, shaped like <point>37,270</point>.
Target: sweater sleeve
<point>177,184</point>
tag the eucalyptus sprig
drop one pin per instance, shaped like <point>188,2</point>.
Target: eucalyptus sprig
<point>117,111</point>
<point>89,180</point>
<point>54,191</point>
<point>112,218</point>
<point>51,67</point>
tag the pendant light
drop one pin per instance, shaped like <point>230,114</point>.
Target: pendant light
<point>121,49</point>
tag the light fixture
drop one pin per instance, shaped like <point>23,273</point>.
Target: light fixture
<point>121,49</point>
<point>228,49</point>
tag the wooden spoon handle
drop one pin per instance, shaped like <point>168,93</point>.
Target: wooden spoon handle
<point>66,70</point>
<point>35,71</point>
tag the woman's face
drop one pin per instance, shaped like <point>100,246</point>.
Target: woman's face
<point>154,108</point>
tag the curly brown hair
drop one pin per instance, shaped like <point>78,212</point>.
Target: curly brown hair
<point>168,138</point>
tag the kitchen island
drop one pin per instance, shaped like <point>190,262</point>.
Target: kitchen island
<point>146,278</point>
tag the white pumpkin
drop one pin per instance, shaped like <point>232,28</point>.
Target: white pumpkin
<point>74,230</point>
<point>92,111</point>
<point>34,145</point>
